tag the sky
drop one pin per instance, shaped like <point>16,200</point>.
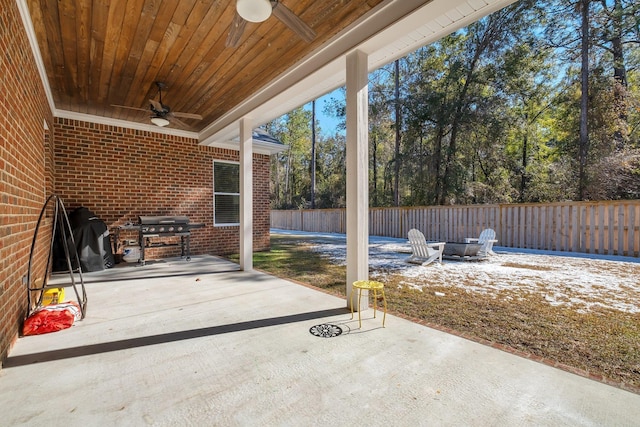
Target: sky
<point>328,124</point>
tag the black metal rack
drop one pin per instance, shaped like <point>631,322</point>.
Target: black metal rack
<point>62,226</point>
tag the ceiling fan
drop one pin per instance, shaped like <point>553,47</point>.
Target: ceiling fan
<point>260,11</point>
<point>161,114</point>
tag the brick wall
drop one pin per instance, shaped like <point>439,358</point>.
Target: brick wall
<point>109,170</point>
<point>25,160</point>
<point>120,173</point>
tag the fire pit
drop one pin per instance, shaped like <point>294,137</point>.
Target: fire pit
<point>462,251</point>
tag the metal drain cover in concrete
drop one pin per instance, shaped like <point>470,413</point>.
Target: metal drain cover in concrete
<point>326,330</point>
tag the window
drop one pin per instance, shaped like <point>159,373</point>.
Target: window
<point>226,193</point>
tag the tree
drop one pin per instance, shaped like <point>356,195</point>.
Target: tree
<point>524,105</point>
<point>331,161</point>
<point>292,166</point>
<point>616,26</point>
<point>381,123</point>
<point>583,144</point>
<point>397,127</point>
<point>454,92</point>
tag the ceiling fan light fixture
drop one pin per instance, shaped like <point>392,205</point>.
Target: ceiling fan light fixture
<point>159,121</point>
<point>254,10</point>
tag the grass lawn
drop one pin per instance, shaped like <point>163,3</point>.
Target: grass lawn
<point>601,341</point>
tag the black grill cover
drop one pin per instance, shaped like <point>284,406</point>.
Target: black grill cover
<point>91,236</point>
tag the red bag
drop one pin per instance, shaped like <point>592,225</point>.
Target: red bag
<point>51,318</point>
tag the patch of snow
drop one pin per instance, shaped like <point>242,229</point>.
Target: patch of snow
<point>576,280</point>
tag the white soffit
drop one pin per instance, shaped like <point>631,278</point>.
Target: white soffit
<point>393,30</point>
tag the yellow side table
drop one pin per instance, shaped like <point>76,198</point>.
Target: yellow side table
<point>368,285</point>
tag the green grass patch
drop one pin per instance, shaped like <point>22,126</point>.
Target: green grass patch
<point>292,258</point>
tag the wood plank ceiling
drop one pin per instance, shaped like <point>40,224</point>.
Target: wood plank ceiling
<point>100,53</point>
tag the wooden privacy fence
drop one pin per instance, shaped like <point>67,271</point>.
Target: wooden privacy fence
<point>610,227</point>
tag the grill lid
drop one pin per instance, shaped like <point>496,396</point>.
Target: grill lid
<point>163,220</point>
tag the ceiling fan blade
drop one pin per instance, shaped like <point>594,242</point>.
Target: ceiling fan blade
<point>235,31</point>
<point>173,119</point>
<point>291,20</point>
<point>186,115</point>
<point>156,105</point>
<point>130,108</point>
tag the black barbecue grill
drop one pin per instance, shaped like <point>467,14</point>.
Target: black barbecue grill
<point>150,227</point>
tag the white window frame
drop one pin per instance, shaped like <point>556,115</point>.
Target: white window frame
<point>216,224</point>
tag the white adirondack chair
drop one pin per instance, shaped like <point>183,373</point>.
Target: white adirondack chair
<point>487,238</point>
<point>424,253</point>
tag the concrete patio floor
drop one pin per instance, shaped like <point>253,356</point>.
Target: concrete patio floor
<point>201,343</point>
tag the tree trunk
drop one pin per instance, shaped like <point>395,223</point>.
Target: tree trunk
<point>275,181</point>
<point>523,176</point>
<point>374,166</point>
<point>288,179</point>
<point>422,190</point>
<point>313,154</point>
<point>455,124</point>
<point>396,183</point>
<point>583,144</point>
<point>437,161</point>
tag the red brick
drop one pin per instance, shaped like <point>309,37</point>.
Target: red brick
<point>117,173</point>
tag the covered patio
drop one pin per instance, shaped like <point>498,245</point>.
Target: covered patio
<point>204,343</point>
<point>230,88</point>
<point>211,342</point>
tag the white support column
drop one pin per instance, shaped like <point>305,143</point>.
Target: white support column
<point>246,195</point>
<point>357,175</point>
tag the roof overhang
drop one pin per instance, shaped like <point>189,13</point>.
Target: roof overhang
<point>390,31</point>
